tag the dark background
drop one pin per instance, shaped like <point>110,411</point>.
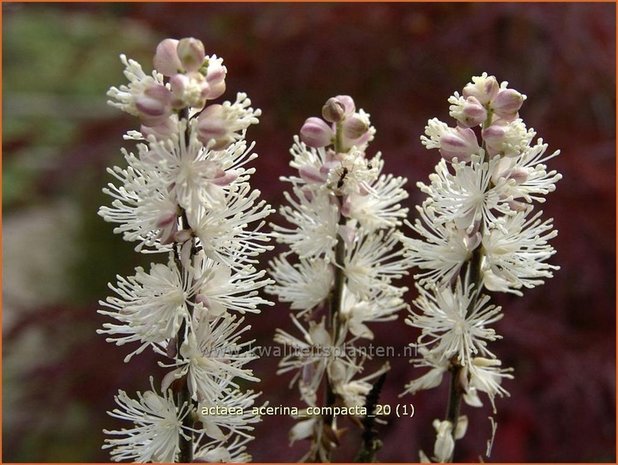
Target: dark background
<point>400,62</point>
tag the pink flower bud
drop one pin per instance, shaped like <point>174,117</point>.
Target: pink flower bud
<point>166,59</point>
<point>316,133</point>
<point>212,126</point>
<point>355,127</point>
<point>179,83</point>
<point>154,105</point>
<point>225,179</point>
<point>160,131</point>
<point>507,103</point>
<point>310,174</point>
<point>484,88</point>
<point>333,110</point>
<point>191,53</point>
<point>460,143</point>
<point>494,137</point>
<point>348,104</point>
<point>183,235</point>
<point>215,77</point>
<point>473,112</point>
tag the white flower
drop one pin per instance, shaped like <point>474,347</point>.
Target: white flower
<point>305,284</point>
<point>379,208</point>
<point>220,289</point>
<point>507,139</point>
<point>382,305</point>
<point>219,424</point>
<point>353,173</point>
<point>157,427</point>
<point>373,261</point>
<point>445,443</point>
<point>212,357</point>
<point>532,180</point>
<point>352,391</point>
<point>468,196</point>
<point>220,125</point>
<point>143,206</point>
<point>315,224</point>
<point>224,232</point>
<point>309,356</point>
<point>516,251</point>
<point>216,451</point>
<point>123,97</point>
<point>438,365</point>
<point>443,249</point>
<point>454,321</point>
<point>149,306</point>
<point>486,375</point>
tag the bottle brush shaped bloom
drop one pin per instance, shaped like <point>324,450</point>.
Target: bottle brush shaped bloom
<point>185,195</point>
<point>340,269</point>
<point>478,231</point>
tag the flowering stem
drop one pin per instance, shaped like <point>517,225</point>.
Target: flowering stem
<point>183,396</point>
<point>336,294</point>
<point>456,389</point>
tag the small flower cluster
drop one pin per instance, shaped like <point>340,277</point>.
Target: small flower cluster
<point>185,194</point>
<point>343,215</point>
<point>479,231</point>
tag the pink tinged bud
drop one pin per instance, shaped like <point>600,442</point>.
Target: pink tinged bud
<point>183,235</point>
<point>519,175</point>
<point>179,83</point>
<point>349,107</point>
<point>474,113</point>
<point>333,110</point>
<point>212,127</point>
<point>354,127</point>
<point>202,299</point>
<point>308,194</point>
<point>215,90</point>
<point>166,219</point>
<point>347,232</point>
<point>166,59</point>
<point>484,89</point>
<point>191,54</point>
<point>460,143</point>
<point>160,131</point>
<point>316,133</point>
<point>327,166</point>
<point>494,138</point>
<point>517,206</point>
<point>154,105</point>
<point>310,174</point>
<point>224,179</point>
<point>507,103</point>
<point>215,77</point>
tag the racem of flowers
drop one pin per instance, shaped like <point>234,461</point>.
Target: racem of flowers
<point>479,231</point>
<point>339,273</point>
<point>185,195</point>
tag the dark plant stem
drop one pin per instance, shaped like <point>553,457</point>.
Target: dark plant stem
<point>473,276</point>
<point>183,396</point>
<point>371,443</point>
<point>335,301</point>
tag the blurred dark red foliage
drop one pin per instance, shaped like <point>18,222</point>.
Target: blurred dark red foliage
<point>400,62</point>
